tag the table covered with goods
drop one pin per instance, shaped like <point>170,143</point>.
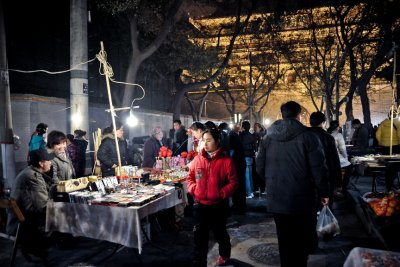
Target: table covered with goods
<point>378,166</point>
<point>113,208</point>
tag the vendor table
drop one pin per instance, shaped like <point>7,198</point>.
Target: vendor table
<point>120,225</point>
<point>378,165</point>
<point>366,257</point>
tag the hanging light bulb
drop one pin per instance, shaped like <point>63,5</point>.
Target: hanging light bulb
<point>132,120</point>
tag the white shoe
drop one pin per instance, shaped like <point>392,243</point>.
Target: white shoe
<point>251,196</point>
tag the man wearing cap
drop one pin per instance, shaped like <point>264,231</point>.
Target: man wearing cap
<point>31,192</point>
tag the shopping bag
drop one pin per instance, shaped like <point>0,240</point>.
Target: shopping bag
<point>327,224</point>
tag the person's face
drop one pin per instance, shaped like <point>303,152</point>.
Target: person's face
<point>159,136</point>
<point>176,126</point>
<point>198,133</point>
<point>120,132</point>
<point>209,143</point>
<point>60,148</point>
<point>45,165</point>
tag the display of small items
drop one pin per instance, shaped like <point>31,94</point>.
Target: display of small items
<point>384,204</point>
<point>135,197</point>
<point>166,160</point>
<point>175,176</point>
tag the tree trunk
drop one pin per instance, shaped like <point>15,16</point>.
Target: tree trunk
<point>349,106</point>
<point>365,106</point>
<point>139,56</point>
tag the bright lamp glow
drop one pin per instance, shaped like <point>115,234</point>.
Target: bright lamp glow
<point>231,125</point>
<point>267,121</point>
<point>76,118</point>
<point>132,121</point>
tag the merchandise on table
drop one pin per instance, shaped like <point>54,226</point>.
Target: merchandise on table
<point>133,187</point>
<point>72,184</point>
<point>133,197</point>
<point>366,257</point>
<point>383,204</point>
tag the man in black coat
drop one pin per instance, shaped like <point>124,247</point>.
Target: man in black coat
<point>107,153</point>
<point>178,138</point>
<point>236,152</point>
<point>249,148</point>
<point>292,160</point>
<point>317,119</point>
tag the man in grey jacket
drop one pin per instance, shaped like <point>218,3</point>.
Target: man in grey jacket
<point>292,160</point>
<point>31,192</point>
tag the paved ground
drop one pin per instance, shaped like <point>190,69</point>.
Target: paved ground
<point>253,237</point>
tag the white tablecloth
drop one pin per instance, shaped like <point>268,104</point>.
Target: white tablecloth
<point>115,224</point>
<point>366,257</point>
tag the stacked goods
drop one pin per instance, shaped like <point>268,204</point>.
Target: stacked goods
<point>384,205</point>
<point>72,184</point>
<point>174,176</point>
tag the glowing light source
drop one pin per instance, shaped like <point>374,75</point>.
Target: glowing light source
<point>267,121</point>
<point>76,118</point>
<point>132,120</point>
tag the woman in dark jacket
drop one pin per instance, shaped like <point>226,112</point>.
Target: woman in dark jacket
<point>107,153</point>
<point>62,168</point>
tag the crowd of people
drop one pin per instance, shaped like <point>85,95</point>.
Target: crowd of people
<point>300,168</point>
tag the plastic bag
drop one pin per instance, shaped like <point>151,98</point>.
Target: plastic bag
<point>327,224</point>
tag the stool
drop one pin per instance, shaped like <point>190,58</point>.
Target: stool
<point>12,204</point>
<point>374,175</point>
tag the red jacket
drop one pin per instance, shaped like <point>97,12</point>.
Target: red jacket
<point>211,180</point>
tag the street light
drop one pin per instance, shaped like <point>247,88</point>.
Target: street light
<point>76,118</point>
<point>132,120</point>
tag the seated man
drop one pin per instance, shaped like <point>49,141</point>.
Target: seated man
<point>31,191</point>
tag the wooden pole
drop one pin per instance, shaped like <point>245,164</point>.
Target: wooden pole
<point>111,111</point>
<point>394,86</point>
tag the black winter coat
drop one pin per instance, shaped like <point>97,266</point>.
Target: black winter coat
<point>292,160</point>
<point>107,155</point>
<point>249,143</point>
<point>180,141</point>
<point>150,152</point>
<point>331,156</point>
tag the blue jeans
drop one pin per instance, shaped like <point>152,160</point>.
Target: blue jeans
<point>249,177</point>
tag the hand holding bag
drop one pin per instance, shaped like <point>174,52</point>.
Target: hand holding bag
<point>327,224</point>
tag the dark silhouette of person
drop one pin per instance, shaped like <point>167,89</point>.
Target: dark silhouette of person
<point>291,158</point>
